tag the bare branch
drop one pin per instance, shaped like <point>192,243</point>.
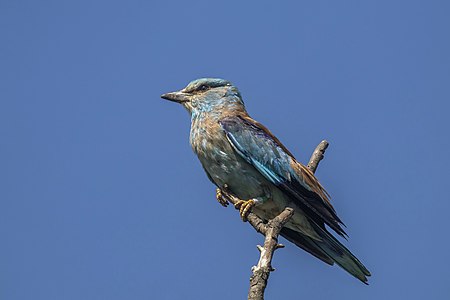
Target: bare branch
<point>261,272</point>
<point>317,156</point>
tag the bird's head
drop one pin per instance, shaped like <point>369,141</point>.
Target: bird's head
<point>206,95</point>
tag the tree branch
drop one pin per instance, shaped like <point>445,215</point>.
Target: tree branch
<point>317,156</point>
<point>261,272</point>
<point>271,230</point>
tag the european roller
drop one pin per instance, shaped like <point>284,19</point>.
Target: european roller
<point>242,157</point>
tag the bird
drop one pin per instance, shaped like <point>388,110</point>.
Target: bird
<point>242,157</point>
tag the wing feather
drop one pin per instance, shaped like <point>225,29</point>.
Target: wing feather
<point>260,148</point>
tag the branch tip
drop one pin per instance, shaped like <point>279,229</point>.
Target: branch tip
<point>279,246</point>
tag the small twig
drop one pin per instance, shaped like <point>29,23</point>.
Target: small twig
<point>317,156</point>
<point>271,230</point>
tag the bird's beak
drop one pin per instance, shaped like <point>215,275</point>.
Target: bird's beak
<point>176,97</point>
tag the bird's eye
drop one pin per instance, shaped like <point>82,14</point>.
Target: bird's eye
<point>203,88</point>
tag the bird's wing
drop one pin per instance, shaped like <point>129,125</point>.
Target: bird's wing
<point>260,148</point>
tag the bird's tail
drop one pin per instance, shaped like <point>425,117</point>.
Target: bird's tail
<point>329,250</point>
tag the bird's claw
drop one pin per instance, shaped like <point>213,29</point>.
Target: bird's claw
<point>222,200</point>
<point>244,208</point>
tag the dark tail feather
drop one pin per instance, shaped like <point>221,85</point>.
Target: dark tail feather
<point>306,244</point>
<point>329,250</point>
<point>340,254</point>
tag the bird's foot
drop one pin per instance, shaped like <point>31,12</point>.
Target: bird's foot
<point>222,200</point>
<point>244,208</point>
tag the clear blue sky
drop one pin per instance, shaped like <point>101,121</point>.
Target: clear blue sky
<point>101,196</point>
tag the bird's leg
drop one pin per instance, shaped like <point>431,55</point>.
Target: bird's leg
<point>222,200</point>
<point>244,207</point>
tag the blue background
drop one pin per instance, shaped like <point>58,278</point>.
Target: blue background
<point>101,196</point>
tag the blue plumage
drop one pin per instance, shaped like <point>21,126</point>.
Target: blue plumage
<point>245,158</point>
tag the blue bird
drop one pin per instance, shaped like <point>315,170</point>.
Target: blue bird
<point>242,157</point>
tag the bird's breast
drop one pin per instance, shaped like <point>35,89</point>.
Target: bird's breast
<point>222,164</point>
